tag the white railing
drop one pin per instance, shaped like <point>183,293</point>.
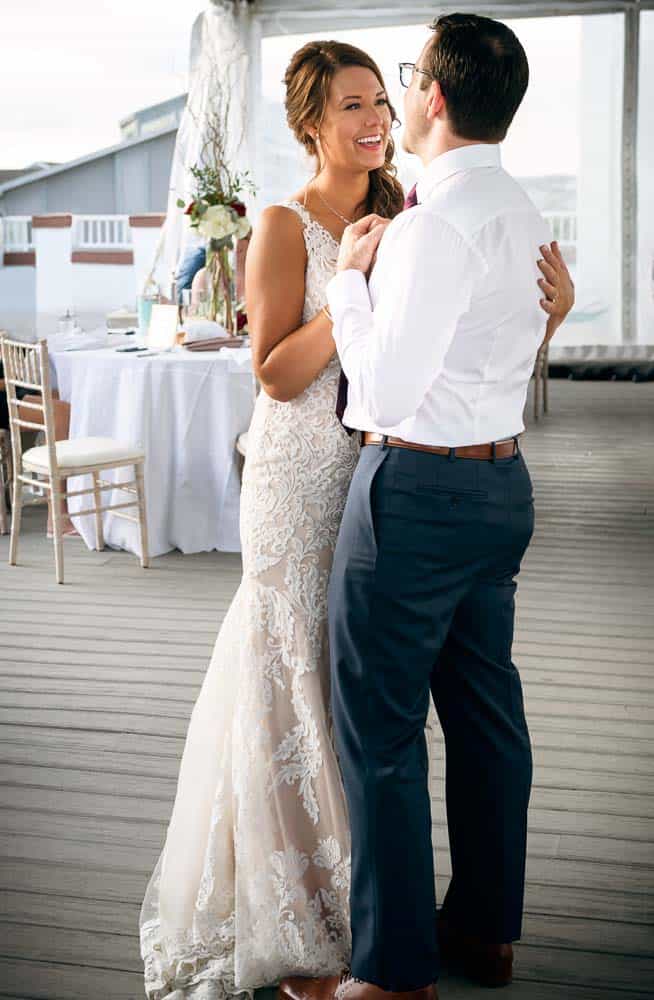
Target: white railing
<point>563,226</point>
<point>17,233</point>
<point>101,232</point>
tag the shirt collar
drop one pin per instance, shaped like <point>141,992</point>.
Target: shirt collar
<point>480,154</point>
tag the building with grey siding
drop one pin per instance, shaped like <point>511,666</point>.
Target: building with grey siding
<point>129,178</point>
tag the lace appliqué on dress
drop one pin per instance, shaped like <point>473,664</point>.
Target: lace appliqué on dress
<point>253,881</point>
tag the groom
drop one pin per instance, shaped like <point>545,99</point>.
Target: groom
<point>438,349</point>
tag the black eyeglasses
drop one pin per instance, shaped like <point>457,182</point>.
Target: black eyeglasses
<point>407,70</point>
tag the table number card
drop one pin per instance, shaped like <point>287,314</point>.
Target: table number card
<point>163,327</point>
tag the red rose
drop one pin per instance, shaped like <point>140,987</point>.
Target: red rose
<point>241,320</point>
<point>190,208</point>
<point>238,207</point>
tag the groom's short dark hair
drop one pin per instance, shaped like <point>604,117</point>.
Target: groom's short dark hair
<point>482,70</point>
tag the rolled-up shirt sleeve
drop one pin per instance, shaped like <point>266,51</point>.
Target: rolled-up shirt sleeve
<point>392,353</point>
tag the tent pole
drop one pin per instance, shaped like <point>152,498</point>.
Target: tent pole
<point>629,177</point>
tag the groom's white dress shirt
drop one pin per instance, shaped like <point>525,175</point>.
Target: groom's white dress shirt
<point>439,346</point>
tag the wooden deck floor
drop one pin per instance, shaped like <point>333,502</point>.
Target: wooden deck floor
<point>98,679</point>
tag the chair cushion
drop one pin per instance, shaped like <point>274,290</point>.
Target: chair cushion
<point>82,452</point>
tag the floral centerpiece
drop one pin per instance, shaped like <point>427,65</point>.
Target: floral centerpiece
<point>220,216</point>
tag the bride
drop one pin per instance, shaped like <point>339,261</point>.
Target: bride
<point>253,880</point>
<point>252,884</point>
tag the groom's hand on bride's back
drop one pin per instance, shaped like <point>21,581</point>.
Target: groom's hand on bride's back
<point>359,243</point>
<point>557,287</point>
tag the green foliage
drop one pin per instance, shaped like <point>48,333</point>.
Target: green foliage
<point>218,186</point>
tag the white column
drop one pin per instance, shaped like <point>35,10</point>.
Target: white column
<point>52,236</point>
<point>629,180</point>
<point>645,256</point>
<point>599,248</point>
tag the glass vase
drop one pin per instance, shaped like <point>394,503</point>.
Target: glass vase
<point>222,297</point>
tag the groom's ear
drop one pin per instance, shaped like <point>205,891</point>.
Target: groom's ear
<point>435,100</point>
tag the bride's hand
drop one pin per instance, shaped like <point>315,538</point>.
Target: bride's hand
<point>359,243</point>
<point>557,286</point>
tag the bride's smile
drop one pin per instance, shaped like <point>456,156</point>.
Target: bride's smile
<point>355,128</point>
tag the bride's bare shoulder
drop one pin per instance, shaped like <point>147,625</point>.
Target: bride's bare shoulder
<point>278,237</point>
<point>281,214</point>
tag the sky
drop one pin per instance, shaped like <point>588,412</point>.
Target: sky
<point>70,70</point>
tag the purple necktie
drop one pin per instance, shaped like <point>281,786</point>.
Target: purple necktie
<point>341,399</point>
<point>411,198</point>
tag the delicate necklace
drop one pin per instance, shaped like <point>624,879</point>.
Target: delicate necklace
<point>327,205</point>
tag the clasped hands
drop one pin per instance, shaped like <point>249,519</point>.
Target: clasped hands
<point>359,244</point>
<point>358,252</point>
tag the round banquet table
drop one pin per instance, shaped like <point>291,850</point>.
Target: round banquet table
<point>186,411</point>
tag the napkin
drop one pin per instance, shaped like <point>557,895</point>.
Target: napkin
<point>202,329</point>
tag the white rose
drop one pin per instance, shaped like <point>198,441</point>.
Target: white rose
<point>243,227</point>
<point>216,223</point>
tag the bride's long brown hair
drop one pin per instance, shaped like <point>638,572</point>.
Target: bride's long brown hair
<point>307,79</point>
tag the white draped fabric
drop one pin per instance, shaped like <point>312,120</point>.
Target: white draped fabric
<point>219,63</point>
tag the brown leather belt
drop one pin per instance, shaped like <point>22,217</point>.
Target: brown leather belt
<point>495,449</point>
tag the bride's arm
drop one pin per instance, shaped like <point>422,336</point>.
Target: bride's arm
<point>287,355</point>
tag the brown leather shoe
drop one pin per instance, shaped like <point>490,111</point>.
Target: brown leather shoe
<point>351,988</point>
<point>305,988</point>
<point>486,963</point>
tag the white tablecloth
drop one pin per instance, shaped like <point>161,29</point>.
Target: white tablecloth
<point>186,411</point>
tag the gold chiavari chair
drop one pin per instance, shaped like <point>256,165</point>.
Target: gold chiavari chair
<point>28,366</point>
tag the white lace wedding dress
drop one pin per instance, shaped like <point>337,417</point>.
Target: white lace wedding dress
<point>253,880</point>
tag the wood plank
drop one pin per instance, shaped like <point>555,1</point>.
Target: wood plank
<point>565,699</point>
<point>94,712</point>
<point>542,868</point>
<point>119,917</point>
<point>74,983</point>
<point>633,835</point>
<point>105,886</point>
<point>572,966</point>
<point>569,750</point>
<point>176,701</point>
<point>50,789</point>
<point>27,832</point>
<point>132,856</point>
<point>63,944</point>
<point>17,762</point>
<point>607,936</point>
<point>44,981</point>
<point>590,733</point>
